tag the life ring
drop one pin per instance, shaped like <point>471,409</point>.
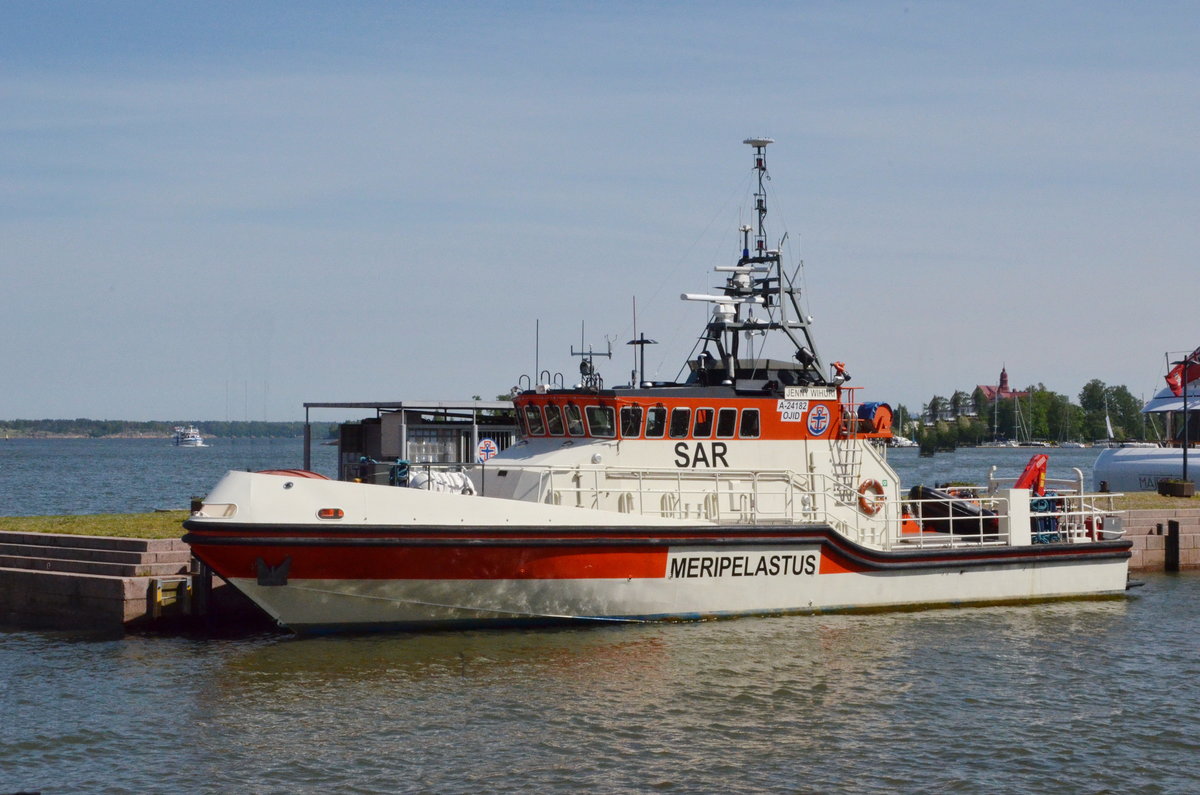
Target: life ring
<point>870,505</point>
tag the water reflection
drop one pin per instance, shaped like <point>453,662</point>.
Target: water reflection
<point>1049,697</point>
<point>475,656</point>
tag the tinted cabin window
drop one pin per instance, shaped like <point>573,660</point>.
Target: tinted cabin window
<point>749,429</point>
<point>600,421</point>
<point>520,415</point>
<point>533,418</point>
<point>631,422</point>
<point>554,420</point>
<point>656,422</point>
<point>726,423</point>
<point>680,420</point>
<point>574,420</point>
<point>704,423</point>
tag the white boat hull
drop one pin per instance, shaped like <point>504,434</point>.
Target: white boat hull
<point>1141,468</point>
<point>404,558</point>
<point>340,605</point>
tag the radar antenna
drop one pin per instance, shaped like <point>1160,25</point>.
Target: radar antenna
<point>589,378</point>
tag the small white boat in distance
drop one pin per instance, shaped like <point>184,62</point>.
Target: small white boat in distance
<point>188,436</point>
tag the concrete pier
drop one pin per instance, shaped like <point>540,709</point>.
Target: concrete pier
<point>1150,547</point>
<point>105,584</point>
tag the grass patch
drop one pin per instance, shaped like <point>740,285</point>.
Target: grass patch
<point>1153,501</point>
<point>161,524</point>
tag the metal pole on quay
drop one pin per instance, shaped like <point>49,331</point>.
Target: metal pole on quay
<point>1186,438</point>
<point>1185,364</point>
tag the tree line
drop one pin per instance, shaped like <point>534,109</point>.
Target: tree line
<point>1041,415</point>
<point>98,429</point>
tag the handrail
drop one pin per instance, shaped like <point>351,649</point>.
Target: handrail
<point>1076,484</point>
<point>976,516</point>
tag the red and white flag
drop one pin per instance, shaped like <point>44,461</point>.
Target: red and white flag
<point>1175,377</point>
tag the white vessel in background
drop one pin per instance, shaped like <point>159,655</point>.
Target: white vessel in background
<point>1139,467</point>
<point>188,436</point>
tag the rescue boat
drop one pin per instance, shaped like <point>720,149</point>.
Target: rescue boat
<point>748,486</point>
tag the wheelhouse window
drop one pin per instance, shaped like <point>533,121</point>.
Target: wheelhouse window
<point>656,422</point>
<point>726,423</point>
<point>749,426</point>
<point>601,421</point>
<point>681,419</point>
<point>704,423</point>
<point>574,420</point>
<point>533,419</point>
<point>554,420</point>
<point>631,422</point>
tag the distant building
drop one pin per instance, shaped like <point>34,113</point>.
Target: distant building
<point>1000,391</point>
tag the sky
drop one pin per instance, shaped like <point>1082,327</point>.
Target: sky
<point>222,210</point>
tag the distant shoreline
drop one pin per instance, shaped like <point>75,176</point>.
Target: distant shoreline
<point>84,428</point>
<point>167,436</point>
<point>48,435</point>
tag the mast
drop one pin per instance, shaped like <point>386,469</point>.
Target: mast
<point>589,378</point>
<point>641,342</point>
<point>758,279</point>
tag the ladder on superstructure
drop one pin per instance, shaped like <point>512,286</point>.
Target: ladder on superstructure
<point>846,465</point>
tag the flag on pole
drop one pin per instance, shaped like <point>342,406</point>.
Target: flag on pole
<point>1175,377</point>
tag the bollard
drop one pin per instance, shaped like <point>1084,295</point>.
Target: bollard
<point>1171,554</point>
<point>202,589</point>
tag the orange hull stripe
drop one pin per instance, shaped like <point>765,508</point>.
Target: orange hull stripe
<point>834,563</point>
<point>456,563</point>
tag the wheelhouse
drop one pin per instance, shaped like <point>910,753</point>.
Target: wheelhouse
<point>653,416</point>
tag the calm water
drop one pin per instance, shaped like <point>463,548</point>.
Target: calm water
<point>79,476</point>
<point>1068,697</point>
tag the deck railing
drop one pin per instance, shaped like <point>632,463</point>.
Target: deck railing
<point>971,516</point>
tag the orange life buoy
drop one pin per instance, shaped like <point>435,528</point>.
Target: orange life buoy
<point>873,504</point>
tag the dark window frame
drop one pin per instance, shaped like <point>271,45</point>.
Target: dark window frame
<point>745,419</point>
<point>657,411</point>
<point>612,421</point>
<point>676,428</point>
<point>536,411</point>
<point>574,423</point>
<point>731,431</point>
<point>630,411</point>
<point>553,410</point>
